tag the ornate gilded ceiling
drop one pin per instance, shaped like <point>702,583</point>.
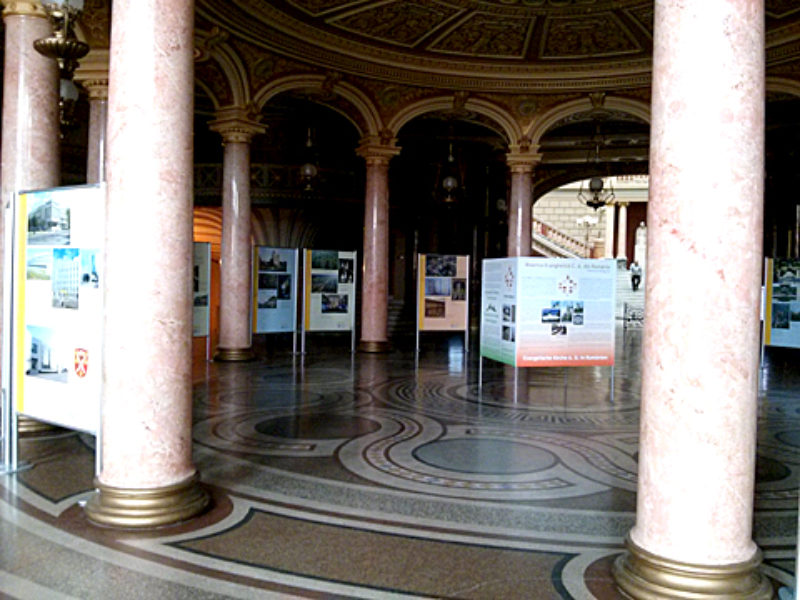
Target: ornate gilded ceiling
<point>500,45</point>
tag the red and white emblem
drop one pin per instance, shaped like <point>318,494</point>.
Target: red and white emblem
<point>81,362</point>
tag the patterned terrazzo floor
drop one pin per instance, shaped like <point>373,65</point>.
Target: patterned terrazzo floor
<point>383,476</point>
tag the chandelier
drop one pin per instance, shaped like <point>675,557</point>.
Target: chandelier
<point>593,192</point>
<point>309,170</point>
<point>450,180</point>
<point>65,47</point>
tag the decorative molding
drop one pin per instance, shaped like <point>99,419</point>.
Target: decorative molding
<point>646,576</point>
<point>25,8</point>
<point>92,73</point>
<point>237,124</point>
<point>131,508</point>
<point>377,150</point>
<point>301,41</point>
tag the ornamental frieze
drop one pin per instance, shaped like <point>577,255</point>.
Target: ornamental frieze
<point>489,36</point>
<point>598,35</point>
<point>401,23</point>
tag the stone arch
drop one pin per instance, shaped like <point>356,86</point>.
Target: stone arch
<point>507,124</point>
<point>542,123</point>
<point>783,85</point>
<point>368,122</point>
<point>213,46</point>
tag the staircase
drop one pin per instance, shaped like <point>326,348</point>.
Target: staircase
<point>626,295</point>
<point>401,319</point>
<point>551,242</point>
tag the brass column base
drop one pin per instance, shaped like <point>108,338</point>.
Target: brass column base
<point>146,508</point>
<point>373,347</point>
<point>27,427</point>
<point>645,576</point>
<point>234,355</point>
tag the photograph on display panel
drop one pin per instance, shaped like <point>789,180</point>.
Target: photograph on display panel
<point>274,302</point>
<point>329,290</point>
<point>783,303</point>
<point>442,294</point>
<point>57,305</point>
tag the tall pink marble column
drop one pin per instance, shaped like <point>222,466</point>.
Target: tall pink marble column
<point>30,137</point>
<point>237,127</point>
<point>92,74</point>
<point>147,477</point>
<point>519,209</point>
<point>375,284</point>
<point>609,211</point>
<point>692,537</point>
<point>622,231</point>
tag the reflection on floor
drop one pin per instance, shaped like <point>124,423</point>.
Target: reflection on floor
<point>381,476</point>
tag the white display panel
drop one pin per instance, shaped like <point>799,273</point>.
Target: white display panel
<point>329,284</point>
<point>58,305</point>
<point>782,322</point>
<point>443,292</point>
<point>201,289</point>
<point>275,290</point>
<point>539,312</point>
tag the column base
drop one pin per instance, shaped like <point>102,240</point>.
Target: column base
<point>373,346</point>
<point>234,355</point>
<point>27,427</point>
<point>146,508</point>
<point>645,576</point>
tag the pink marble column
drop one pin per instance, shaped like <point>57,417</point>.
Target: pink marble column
<point>608,251</point>
<point>92,74</point>
<point>519,208</point>
<point>693,535</point>
<point>30,137</point>
<point>622,230</point>
<point>148,478</point>
<point>237,128</point>
<point>375,282</point>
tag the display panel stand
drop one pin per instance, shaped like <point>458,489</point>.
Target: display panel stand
<point>54,278</point>
<point>274,313</point>
<point>8,427</point>
<point>347,276</point>
<point>461,275</point>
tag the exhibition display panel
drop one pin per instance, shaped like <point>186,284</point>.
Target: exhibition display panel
<point>201,289</point>
<point>782,302</point>
<point>329,292</point>
<point>52,358</point>
<point>443,294</point>
<point>275,291</point>
<point>541,312</point>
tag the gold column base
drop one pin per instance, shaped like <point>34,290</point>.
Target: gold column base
<point>234,355</point>
<point>27,427</point>
<point>645,576</point>
<point>146,508</point>
<point>373,346</point>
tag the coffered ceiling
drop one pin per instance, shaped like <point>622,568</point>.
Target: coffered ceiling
<point>505,45</point>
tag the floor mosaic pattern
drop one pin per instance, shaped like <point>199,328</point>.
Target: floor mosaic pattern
<point>386,476</point>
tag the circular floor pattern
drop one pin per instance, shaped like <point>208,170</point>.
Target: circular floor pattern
<point>486,456</point>
<point>316,426</point>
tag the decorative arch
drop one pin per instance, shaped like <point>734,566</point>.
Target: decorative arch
<point>213,46</point>
<point>365,108</point>
<point>783,85</point>
<point>542,123</point>
<point>208,92</point>
<point>508,125</point>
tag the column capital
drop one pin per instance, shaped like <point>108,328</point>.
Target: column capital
<point>376,150</point>
<point>30,8</point>
<point>92,73</point>
<point>236,124</point>
<point>522,161</point>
